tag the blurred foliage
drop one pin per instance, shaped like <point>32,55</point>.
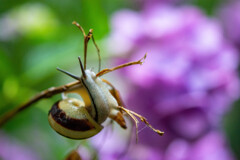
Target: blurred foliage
<point>41,38</point>
<point>231,126</point>
<point>209,7</point>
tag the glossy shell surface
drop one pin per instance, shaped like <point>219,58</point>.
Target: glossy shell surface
<point>70,118</point>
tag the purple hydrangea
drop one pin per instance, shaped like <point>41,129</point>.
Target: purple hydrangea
<point>230,17</point>
<point>187,82</point>
<point>10,149</point>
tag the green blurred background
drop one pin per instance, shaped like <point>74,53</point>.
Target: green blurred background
<point>44,38</point>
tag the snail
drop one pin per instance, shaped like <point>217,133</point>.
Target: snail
<point>78,119</point>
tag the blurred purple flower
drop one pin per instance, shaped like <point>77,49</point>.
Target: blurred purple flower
<point>210,147</point>
<point>230,17</point>
<point>153,2</point>
<point>11,150</point>
<point>188,80</point>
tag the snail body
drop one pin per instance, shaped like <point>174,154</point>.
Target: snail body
<point>78,119</point>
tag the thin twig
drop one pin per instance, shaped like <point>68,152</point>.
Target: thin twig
<point>44,94</point>
<point>107,70</point>
<point>55,90</point>
<point>134,118</point>
<point>143,119</point>
<point>98,52</point>
<point>86,39</point>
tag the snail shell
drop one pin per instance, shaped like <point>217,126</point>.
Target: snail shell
<point>70,118</point>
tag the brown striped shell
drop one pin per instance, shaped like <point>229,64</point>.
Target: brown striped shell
<point>70,118</point>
